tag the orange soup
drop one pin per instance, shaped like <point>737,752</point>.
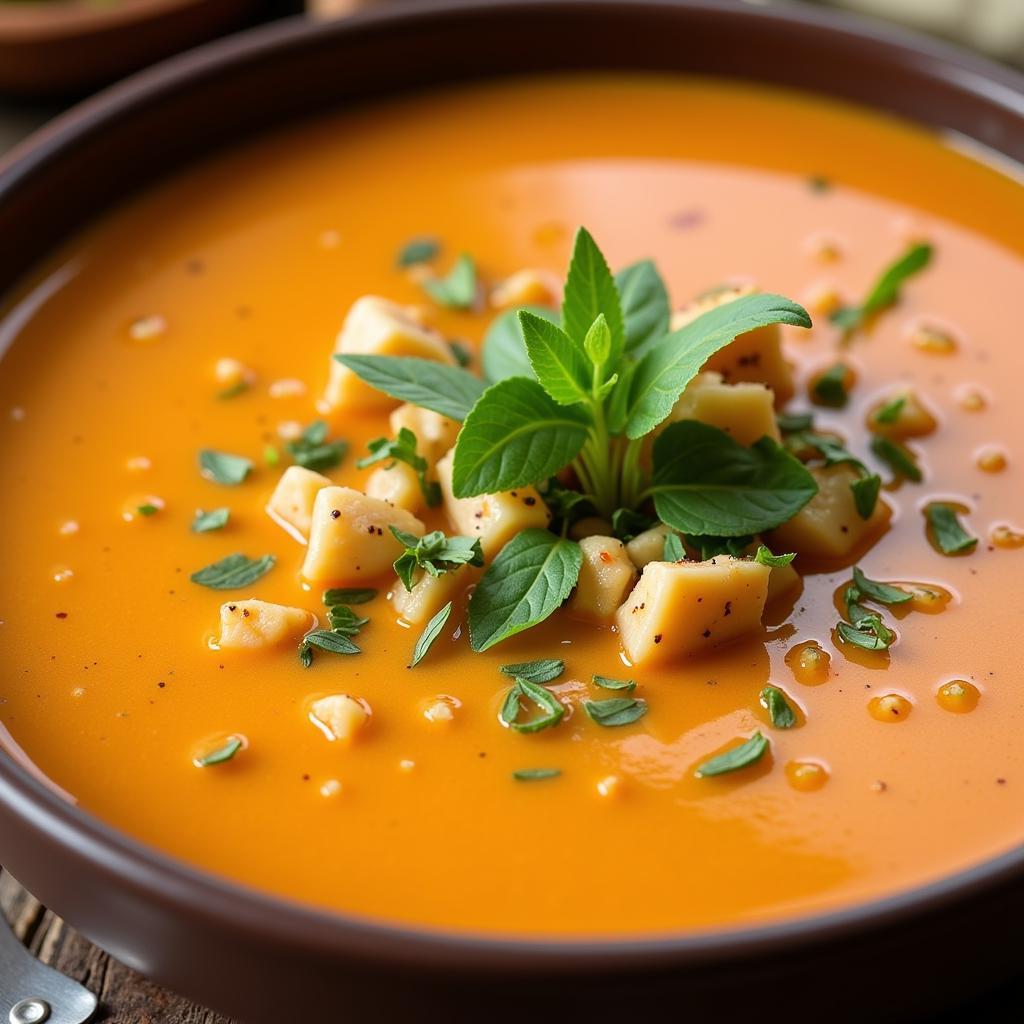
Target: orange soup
<point>718,735</point>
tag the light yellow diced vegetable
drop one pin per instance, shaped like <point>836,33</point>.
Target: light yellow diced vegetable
<point>648,546</point>
<point>349,540</point>
<point>338,716</point>
<point>606,577</point>
<point>745,411</point>
<point>435,433</point>
<point>755,356</point>
<point>247,625</point>
<point>527,288</point>
<point>430,594</point>
<point>680,609</point>
<point>493,519</point>
<point>291,504</point>
<point>783,579</point>
<point>914,418</point>
<point>376,326</point>
<point>397,485</point>
<point>829,525</point>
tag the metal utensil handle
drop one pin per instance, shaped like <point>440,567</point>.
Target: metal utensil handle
<point>32,993</point>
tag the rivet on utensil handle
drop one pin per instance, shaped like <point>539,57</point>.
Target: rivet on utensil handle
<point>30,1011</point>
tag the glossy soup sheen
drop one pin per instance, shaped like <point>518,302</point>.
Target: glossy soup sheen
<point>108,683</point>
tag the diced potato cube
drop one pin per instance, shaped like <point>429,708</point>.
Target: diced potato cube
<point>829,525</point>
<point>527,288</point>
<point>430,594</point>
<point>247,625</point>
<point>648,546</point>
<point>782,580</point>
<point>755,356</point>
<point>494,519</point>
<point>339,716</point>
<point>435,433</point>
<point>291,504</point>
<point>349,540</point>
<point>745,411</point>
<point>397,485</point>
<point>376,326</point>
<point>913,419</point>
<point>606,576</point>
<point>680,609</point>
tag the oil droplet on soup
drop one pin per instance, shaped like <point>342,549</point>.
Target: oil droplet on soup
<point>958,696</point>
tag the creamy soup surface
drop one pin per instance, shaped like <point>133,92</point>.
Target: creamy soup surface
<point>110,386</point>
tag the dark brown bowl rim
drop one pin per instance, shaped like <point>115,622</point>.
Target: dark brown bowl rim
<point>161,879</point>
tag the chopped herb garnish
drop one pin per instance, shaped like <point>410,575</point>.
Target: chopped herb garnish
<point>271,456</point>
<point>794,422</point>
<point>403,449</point>
<point>865,489</point>
<point>627,524</point>
<point>327,640</point>
<point>458,289</point>
<point>430,633</point>
<point>606,683</point>
<point>733,760</point>
<point>673,550</point>
<point>712,547</point>
<point>234,390</point>
<point>418,250</point>
<point>881,592</point>
<point>220,755</point>
<point>890,411</point>
<point>830,387</point>
<point>898,458</point>
<point>950,536</point>
<point>773,700</point>
<point>312,450</point>
<point>215,519</point>
<point>348,595</point>
<point>545,700</point>
<point>536,774</point>
<point>865,494</point>
<point>463,356</point>
<point>616,711</point>
<point>345,621</point>
<point>886,289</point>
<point>870,633</point>
<point>434,554</point>
<point>233,572</point>
<point>345,624</point>
<point>222,468</point>
<point>763,556</point>
<point>542,671</point>
<point>819,184</point>
<point>147,510</point>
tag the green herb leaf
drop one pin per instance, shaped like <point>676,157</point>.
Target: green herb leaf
<point>606,683</point>
<point>898,458</point>
<point>673,550</point>
<point>890,412</point>
<point>830,387</point>
<point>886,289</point>
<point>463,356</point>
<point>590,290</point>
<point>743,756</point>
<point>881,592</point>
<point>221,755</point>
<point>645,305</point>
<point>949,534</point>
<point>330,641</point>
<point>627,523</point>
<point>271,456</point>
<point>865,494</point>
<point>147,510</point>
<point>616,711</point>
<point>348,595</point>
<point>530,577</point>
<point>673,361</point>
<point>552,708</point>
<point>222,468</point>
<point>430,633</point>
<point>559,363</point>
<point>870,633</point>
<point>794,422</point>
<point>712,547</point>
<point>865,490</point>
<point>564,504</point>
<point>233,572</point>
<point>773,700</point>
<point>345,621</point>
<point>763,556</point>
<point>313,451</point>
<point>536,774</point>
<point>448,390</point>
<point>542,671</point>
<point>215,519</point>
<point>403,449</point>
<point>504,348</point>
<point>515,434</point>
<point>418,250</point>
<point>458,289</point>
<point>434,554</point>
<point>598,342</point>
<point>706,483</point>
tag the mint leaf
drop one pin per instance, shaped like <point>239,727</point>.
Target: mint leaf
<point>345,621</point>
<point>448,390</point>
<point>233,572</point>
<point>348,595</point>
<point>865,494</point>
<point>458,289</point>
<point>886,289</point>
<point>590,290</point>
<point>552,708</point>
<point>616,711</point>
<point>794,422</point>
<point>673,550</point>
<point>542,671</point>
<point>897,457</point>
<point>418,250</point>
<point>763,556</point>
<point>830,387</point>
<point>870,633</point>
<point>530,577</point>
<point>515,434</point>
<point>598,342</point>
<point>330,641</point>
<point>745,754</point>
<point>504,350</point>
<point>559,363</point>
<point>773,700</point>
<point>673,361</point>
<point>645,305</point>
<point>712,547</point>
<point>215,519</point>
<point>403,449</point>
<point>627,523</point>
<point>606,683</point>
<point>890,412</point>
<point>430,633</point>
<point>949,535</point>
<point>536,774</point>
<point>222,468</point>
<point>434,554</point>
<point>221,755</point>
<point>706,483</point>
<point>313,451</point>
<point>865,490</point>
<point>881,592</point>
